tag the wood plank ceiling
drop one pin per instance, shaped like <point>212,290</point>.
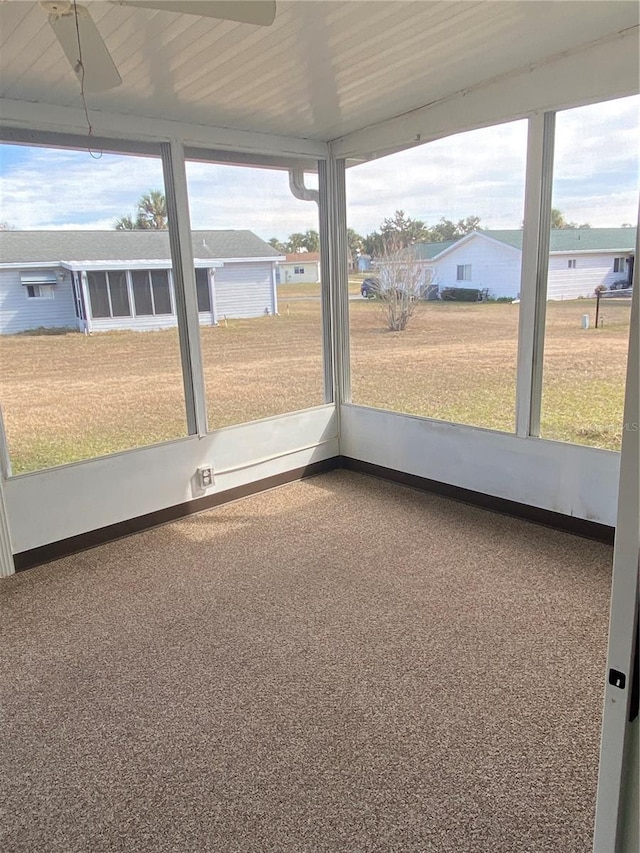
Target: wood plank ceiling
<point>322,70</point>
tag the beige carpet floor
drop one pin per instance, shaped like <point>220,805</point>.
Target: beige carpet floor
<point>338,665</point>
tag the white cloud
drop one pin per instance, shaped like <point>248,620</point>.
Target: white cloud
<point>482,173</point>
<point>476,173</point>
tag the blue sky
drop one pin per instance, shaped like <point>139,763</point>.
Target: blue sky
<point>477,173</point>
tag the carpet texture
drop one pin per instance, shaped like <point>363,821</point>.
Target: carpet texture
<point>339,665</point>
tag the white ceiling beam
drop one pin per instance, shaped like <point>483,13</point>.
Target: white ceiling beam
<point>605,69</point>
<point>51,118</point>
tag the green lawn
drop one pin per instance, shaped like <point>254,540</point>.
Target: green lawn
<point>70,397</point>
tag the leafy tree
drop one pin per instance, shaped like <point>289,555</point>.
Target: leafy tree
<point>446,229</point>
<point>7,226</point>
<point>355,243</point>
<point>401,231</point>
<point>558,221</point>
<point>373,244</point>
<point>296,243</point>
<point>151,214</point>
<point>311,241</point>
<point>278,246</point>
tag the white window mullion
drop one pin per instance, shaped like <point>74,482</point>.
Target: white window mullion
<point>533,277</point>
<point>108,283</point>
<point>211,279</point>
<point>172,292</point>
<point>132,307</point>
<point>179,220</point>
<point>151,295</point>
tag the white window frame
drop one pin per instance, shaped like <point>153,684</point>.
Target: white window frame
<point>571,263</point>
<point>108,284</point>
<point>40,291</point>
<point>618,264</point>
<point>466,272</point>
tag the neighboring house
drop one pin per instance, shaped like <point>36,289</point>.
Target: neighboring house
<point>106,280</point>
<point>300,268</point>
<point>580,260</point>
<point>364,263</point>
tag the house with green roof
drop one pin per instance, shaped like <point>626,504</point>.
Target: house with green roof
<point>111,280</point>
<point>580,260</point>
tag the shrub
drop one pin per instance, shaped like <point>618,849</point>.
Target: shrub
<point>461,294</point>
<point>49,330</point>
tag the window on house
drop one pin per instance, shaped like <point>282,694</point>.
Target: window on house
<point>203,291</point>
<point>161,292</point>
<point>119,291</point>
<point>298,270</point>
<point>40,291</point>
<point>141,287</point>
<point>463,272</point>
<point>39,284</point>
<point>571,264</point>
<point>108,294</point>
<point>618,265</point>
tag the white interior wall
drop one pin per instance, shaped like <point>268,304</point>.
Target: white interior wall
<point>565,478</point>
<point>46,506</point>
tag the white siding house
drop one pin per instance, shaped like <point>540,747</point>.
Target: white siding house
<point>300,268</point>
<point>36,298</point>
<point>106,281</point>
<point>580,260</point>
<point>481,262</point>
<point>576,275</point>
<point>245,290</point>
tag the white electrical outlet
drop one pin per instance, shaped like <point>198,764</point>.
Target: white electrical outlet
<point>205,476</point>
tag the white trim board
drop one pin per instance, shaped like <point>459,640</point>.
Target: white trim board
<point>598,72</point>
<point>35,120</point>
<point>564,478</point>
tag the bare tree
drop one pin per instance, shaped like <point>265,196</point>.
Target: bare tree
<point>402,284</point>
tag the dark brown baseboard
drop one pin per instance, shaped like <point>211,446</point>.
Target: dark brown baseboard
<point>83,541</point>
<point>557,520</point>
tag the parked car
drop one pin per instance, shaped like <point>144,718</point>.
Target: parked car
<point>370,288</point>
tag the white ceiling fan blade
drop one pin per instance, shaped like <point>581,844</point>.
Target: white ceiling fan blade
<point>259,12</point>
<point>96,71</point>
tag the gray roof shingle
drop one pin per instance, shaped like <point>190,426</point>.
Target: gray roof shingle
<point>18,247</point>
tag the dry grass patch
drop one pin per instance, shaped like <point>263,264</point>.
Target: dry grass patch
<point>71,397</point>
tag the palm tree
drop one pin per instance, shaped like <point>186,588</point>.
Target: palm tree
<point>152,210</point>
<point>151,214</point>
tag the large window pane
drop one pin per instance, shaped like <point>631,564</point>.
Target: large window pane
<point>119,294</point>
<point>99,294</point>
<point>161,293</point>
<point>203,292</point>
<point>435,255</point>
<point>141,292</point>
<point>66,395</point>
<point>260,324</point>
<point>592,248</point>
